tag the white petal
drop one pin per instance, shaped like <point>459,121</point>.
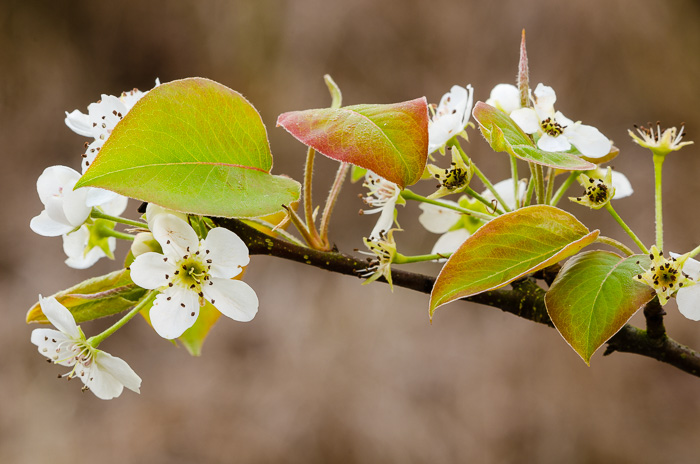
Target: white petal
<point>233,298</point>
<point>527,119</point>
<point>54,345</point>
<point>154,210</point>
<point>505,97</point>
<point>44,225</point>
<point>549,143</point>
<point>385,221</point>
<point>588,140</point>
<point>168,315</point>
<point>55,181</point>
<point>149,270</point>
<point>442,130</point>
<point>544,98</point>
<point>437,219</point>
<point>506,190</point>
<point>105,115</point>
<point>91,153</point>
<point>102,197</point>
<point>75,206</point>
<point>563,120</point>
<point>688,299</point>
<point>79,123</point>
<point>227,252</point>
<point>691,266</point>
<point>59,316</point>
<point>119,369</point>
<point>174,235</point>
<point>74,245</point>
<point>622,185</point>
<point>99,381</point>
<point>450,241</point>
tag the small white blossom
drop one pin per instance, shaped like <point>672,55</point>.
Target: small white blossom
<point>506,190</point>
<point>103,374</point>
<point>81,255</point>
<point>505,97</point>
<point>190,271</point>
<point>451,117</point>
<point>667,276</point>
<point>65,209</point>
<point>382,198</point>
<point>557,132</point>
<point>445,221</point>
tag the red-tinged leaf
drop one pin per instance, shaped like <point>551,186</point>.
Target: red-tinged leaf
<point>503,134</point>
<point>391,140</point>
<point>593,297</point>
<point>508,247</point>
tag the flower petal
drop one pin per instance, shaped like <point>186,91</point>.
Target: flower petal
<point>55,181</point>
<point>688,299</point>
<point>622,185</point>
<point>506,190</point>
<point>60,317</point>
<point>233,298</point>
<point>437,219</point>
<point>544,99</point>
<point>227,252</point>
<point>505,97</point>
<point>174,311</point>
<point>450,241</point>
<point>119,369</point>
<point>588,140</point>
<point>44,225</point>
<point>79,123</point>
<point>527,119</point>
<point>52,344</point>
<point>149,270</point>
<point>75,206</point>
<point>386,219</point>
<point>174,235</point>
<point>549,143</point>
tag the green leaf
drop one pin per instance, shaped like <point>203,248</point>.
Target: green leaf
<point>508,247</point>
<point>94,298</point>
<point>193,146</point>
<point>593,297</point>
<point>357,173</point>
<point>391,140</point>
<point>194,337</point>
<point>503,134</point>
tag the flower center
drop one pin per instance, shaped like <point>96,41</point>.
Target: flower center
<point>552,127</point>
<point>597,192</point>
<point>455,177</point>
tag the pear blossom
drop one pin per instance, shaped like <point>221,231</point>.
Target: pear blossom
<point>505,97</point>
<point>601,189</point>
<point>65,209</point>
<point>557,132</point>
<point>666,277</point>
<point>382,197</point>
<point>190,271</point>
<point>81,253</point>
<point>384,250</point>
<point>454,179</point>
<point>103,374</point>
<point>659,142</point>
<point>444,221</point>
<point>451,116</point>
<point>506,190</point>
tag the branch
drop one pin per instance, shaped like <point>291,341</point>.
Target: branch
<point>525,299</point>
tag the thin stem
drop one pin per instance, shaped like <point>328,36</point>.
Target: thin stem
<point>514,176</point>
<point>481,177</point>
<point>550,185</point>
<point>402,259</point>
<point>145,301</point>
<point>694,251</point>
<point>538,174</point>
<point>658,163</point>
<point>331,200</point>
<point>528,192</point>
<point>108,232</point>
<point>301,227</point>
<point>561,191</point>
<point>97,214</point>
<point>409,195</point>
<point>615,244</point>
<point>626,228</point>
<point>483,200</point>
<point>308,177</point>
<point>276,230</point>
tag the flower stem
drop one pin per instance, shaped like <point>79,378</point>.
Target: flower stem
<point>658,163</point>
<point>550,186</point>
<point>308,177</point>
<point>528,192</point>
<point>615,244</point>
<point>538,177</point>
<point>107,232</point>
<point>143,303</point>
<point>483,200</point>
<point>402,259</point>
<point>561,191</point>
<point>97,214</point>
<point>276,230</point>
<point>332,198</point>
<point>514,176</point>
<point>482,177</point>
<point>409,195</point>
<point>626,228</point>
<point>694,252</point>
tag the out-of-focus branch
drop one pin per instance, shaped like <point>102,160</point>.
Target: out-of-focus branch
<point>525,299</point>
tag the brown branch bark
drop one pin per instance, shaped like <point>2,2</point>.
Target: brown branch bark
<point>525,299</point>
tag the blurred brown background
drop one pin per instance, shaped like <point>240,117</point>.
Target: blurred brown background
<point>330,371</point>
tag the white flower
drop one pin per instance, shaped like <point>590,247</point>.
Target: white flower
<point>64,208</point>
<point>190,271</point>
<point>505,97</point>
<point>559,133</point>
<point>382,197</point>
<point>667,276</point>
<point>103,374</point>
<point>688,297</point>
<point>439,220</point>
<point>506,190</point>
<point>451,116</point>
<point>384,250</point>
<point>81,255</point>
